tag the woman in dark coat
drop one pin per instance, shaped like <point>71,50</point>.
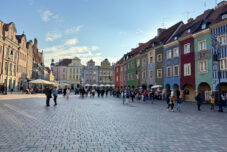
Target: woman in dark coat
<point>198,99</point>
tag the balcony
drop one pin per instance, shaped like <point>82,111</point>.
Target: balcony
<point>201,55</point>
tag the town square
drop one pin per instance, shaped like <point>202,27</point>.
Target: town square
<point>113,76</point>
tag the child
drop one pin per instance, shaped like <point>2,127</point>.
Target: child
<point>173,101</point>
<point>212,103</point>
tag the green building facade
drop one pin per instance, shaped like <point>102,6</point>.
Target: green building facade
<point>203,62</point>
<point>131,73</point>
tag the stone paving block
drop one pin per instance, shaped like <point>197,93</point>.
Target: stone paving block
<point>106,125</point>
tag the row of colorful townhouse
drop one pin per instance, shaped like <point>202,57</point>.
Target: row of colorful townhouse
<point>184,56</point>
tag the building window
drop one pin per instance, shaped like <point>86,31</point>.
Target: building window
<point>187,69</point>
<point>151,74</point>
<point>186,48</point>
<point>203,66</point>
<point>176,70</point>
<point>202,45</point>
<point>151,59</point>
<point>223,64</point>
<point>168,71</point>
<point>176,52</point>
<point>138,62</point>
<point>121,69</point>
<point>222,40</point>
<point>159,73</point>
<point>63,69</point>
<point>117,78</point>
<point>168,54</point>
<point>159,58</point>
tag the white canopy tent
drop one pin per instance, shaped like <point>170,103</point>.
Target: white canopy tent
<point>156,86</point>
<point>64,84</point>
<point>40,81</point>
<point>87,85</point>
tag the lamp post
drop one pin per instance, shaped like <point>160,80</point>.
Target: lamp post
<point>217,58</point>
<point>6,82</point>
<point>7,69</point>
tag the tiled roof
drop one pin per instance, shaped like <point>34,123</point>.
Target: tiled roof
<point>193,25</point>
<point>165,35</point>
<point>65,62</point>
<point>216,16</point>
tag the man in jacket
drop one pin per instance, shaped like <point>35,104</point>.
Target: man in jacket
<point>48,92</point>
<point>55,93</point>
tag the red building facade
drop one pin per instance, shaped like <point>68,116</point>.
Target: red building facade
<point>117,76</point>
<point>187,80</point>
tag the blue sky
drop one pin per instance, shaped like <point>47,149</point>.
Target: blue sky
<point>95,29</point>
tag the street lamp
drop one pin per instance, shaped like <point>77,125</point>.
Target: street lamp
<point>7,73</point>
<point>217,58</point>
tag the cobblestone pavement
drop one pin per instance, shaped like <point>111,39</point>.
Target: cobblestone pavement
<point>106,125</point>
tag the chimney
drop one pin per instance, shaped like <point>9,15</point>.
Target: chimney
<point>140,44</point>
<point>160,30</point>
<point>190,19</point>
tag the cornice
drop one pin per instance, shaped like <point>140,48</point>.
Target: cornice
<point>171,44</point>
<point>218,24</point>
<point>185,37</point>
<point>201,33</point>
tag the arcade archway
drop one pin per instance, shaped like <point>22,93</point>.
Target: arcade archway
<point>189,92</point>
<point>205,90</point>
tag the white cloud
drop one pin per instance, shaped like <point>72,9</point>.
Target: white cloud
<point>73,30</point>
<point>51,36</point>
<point>93,48</point>
<point>47,15</point>
<point>71,41</point>
<point>85,53</point>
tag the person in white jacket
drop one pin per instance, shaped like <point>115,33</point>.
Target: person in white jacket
<point>67,93</point>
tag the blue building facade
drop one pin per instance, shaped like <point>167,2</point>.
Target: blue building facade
<point>171,66</point>
<point>219,46</point>
<point>151,68</point>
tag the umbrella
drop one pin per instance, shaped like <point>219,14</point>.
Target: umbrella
<point>156,86</point>
<point>64,84</point>
<point>108,85</point>
<point>94,85</point>
<point>101,85</point>
<point>86,85</point>
<point>40,81</point>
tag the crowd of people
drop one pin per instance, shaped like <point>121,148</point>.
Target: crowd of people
<point>172,97</point>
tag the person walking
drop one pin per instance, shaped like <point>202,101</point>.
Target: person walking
<point>212,101</point>
<point>179,104</point>
<point>48,92</point>
<point>127,96</point>
<point>198,99</point>
<point>123,94</point>
<point>106,92</point>
<point>169,102</point>
<point>132,95</point>
<point>55,93</point>
<point>64,92</point>
<point>172,103</point>
<point>67,93</point>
